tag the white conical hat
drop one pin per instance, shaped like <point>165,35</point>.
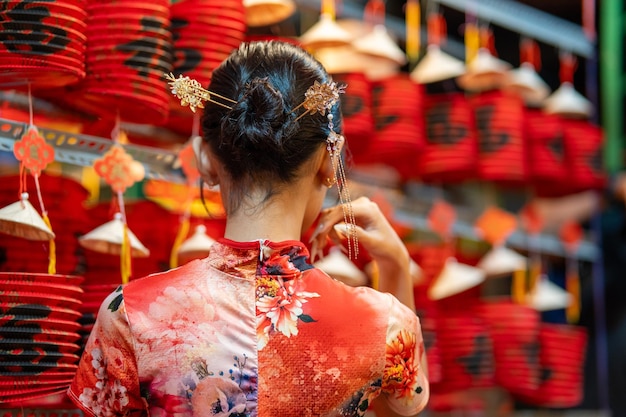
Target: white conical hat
<point>501,261</point>
<point>437,65</point>
<point>548,296</point>
<point>567,101</point>
<point>484,72</point>
<point>198,245</point>
<point>339,266</point>
<point>525,81</point>
<point>267,12</point>
<point>325,33</point>
<point>108,238</point>
<point>342,59</point>
<point>20,219</point>
<point>455,278</point>
<point>378,43</point>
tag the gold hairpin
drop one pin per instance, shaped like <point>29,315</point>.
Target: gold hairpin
<point>190,93</point>
<point>320,97</point>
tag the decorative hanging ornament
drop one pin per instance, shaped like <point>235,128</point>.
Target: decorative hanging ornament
<point>21,219</point>
<point>565,100</point>
<point>340,267</point>
<point>325,33</point>
<point>120,171</point>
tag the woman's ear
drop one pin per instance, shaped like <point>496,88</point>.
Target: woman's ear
<point>203,161</point>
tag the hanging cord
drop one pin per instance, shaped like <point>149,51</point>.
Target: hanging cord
<point>52,258</point>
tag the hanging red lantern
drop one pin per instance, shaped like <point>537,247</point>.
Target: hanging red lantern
<point>514,331</point>
<point>356,107</point>
<point>450,153</point>
<point>398,125</point>
<point>583,143</point>
<point>500,131</point>
<point>42,43</point>
<point>546,162</point>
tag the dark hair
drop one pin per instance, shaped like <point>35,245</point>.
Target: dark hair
<point>258,141</point>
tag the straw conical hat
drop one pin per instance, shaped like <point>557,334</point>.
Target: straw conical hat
<point>455,278</point>
<point>198,245</point>
<point>325,33</point>
<point>525,81</point>
<point>339,266</point>
<point>267,12</point>
<point>501,261</point>
<point>547,296</point>
<point>341,59</point>
<point>566,101</point>
<point>22,220</point>
<point>484,72</point>
<point>108,238</point>
<point>378,43</point>
<point>437,65</point>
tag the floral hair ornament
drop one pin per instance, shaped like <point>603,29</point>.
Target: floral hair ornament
<point>21,219</point>
<point>190,93</point>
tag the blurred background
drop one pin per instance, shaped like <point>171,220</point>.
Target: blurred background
<point>491,132</point>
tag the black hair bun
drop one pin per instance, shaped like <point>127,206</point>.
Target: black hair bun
<point>260,119</point>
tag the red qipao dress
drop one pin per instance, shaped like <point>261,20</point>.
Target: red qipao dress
<point>252,330</point>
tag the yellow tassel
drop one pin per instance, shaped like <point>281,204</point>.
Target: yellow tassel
<point>125,258</point>
<point>535,273</point>
<point>375,275</point>
<point>518,287</point>
<point>412,30</point>
<point>472,42</point>
<point>328,8</point>
<point>572,284</point>
<point>183,230</point>
<point>52,255</point>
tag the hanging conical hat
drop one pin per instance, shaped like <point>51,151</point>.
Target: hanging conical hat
<point>437,65</point>
<point>484,72</point>
<point>342,59</point>
<point>548,296</point>
<point>566,101</point>
<point>378,43</point>
<point>339,266</point>
<point>501,261</point>
<point>525,81</point>
<point>325,33</point>
<point>108,239</point>
<point>267,12</point>
<point>198,245</point>
<point>22,220</point>
<point>455,278</point>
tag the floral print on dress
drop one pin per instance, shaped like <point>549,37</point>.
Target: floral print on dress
<point>107,398</point>
<point>224,395</point>
<point>279,301</point>
<point>402,366</point>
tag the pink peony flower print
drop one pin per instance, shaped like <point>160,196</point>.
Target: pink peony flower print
<point>107,398</point>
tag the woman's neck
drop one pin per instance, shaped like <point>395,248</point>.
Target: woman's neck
<point>276,220</point>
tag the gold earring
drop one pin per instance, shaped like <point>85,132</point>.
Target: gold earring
<point>329,182</point>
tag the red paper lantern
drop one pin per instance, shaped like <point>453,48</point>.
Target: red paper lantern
<point>500,132</point>
<point>356,107</point>
<point>583,142</point>
<point>42,43</point>
<point>514,331</point>
<point>546,149</point>
<point>450,153</point>
<point>562,357</point>
<point>398,125</point>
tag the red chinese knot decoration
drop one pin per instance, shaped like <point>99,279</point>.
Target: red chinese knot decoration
<point>119,169</point>
<point>33,151</point>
